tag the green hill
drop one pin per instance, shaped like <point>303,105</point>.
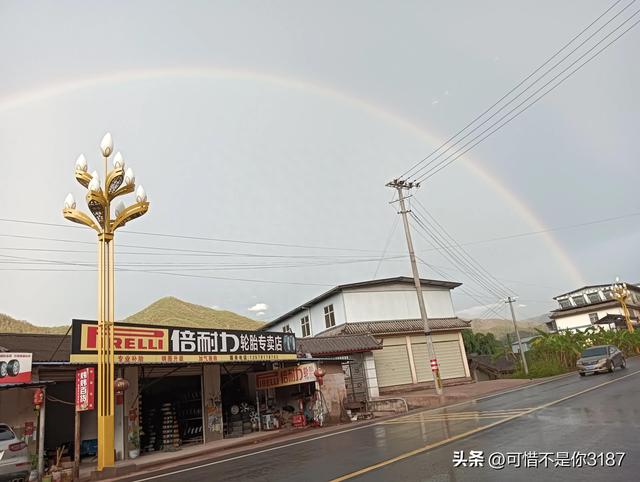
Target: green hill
<point>11,325</point>
<point>171,311</point>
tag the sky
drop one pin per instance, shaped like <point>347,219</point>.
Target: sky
<point>275,126</point>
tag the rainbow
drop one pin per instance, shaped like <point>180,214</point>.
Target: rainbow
<point>39,94</point>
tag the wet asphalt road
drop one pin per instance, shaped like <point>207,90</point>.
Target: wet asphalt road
<point>420,447</point>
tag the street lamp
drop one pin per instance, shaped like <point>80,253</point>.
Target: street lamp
<point>621,293</point>
<point>99,197</point>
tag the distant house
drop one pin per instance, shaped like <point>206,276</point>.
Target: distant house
<point>593,306</point>
<point>388,310</point>
<point>526,344</point>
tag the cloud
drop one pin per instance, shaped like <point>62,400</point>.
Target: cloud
<point>261,313</point>
<point>214,307</point>
<point>434,102</point>
<point>259,307</point>
<point>522,306</point>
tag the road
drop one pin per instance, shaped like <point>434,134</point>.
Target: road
<point>570,414</point>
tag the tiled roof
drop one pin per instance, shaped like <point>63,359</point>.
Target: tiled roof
<point>388,327</point>
<point>337,345</point>
<point>43,346</point>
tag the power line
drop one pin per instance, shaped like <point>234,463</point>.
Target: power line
<point>386,246</point>
<point>453,157</point>
<point>194,237</point>
<point>517,86</point>
<point>528,87</point>
<point>202,253</point>
<point>181,250</point>
<point>455,256</point>
<point>464,253</point>
<point>69,263</point>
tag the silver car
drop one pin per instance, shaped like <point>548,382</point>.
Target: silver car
<point>601,358</point>
<point>15,465</point>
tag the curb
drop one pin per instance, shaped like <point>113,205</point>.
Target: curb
<point>132,470</point>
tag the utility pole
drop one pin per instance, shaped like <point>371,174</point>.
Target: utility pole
<point>510,300</point>
<point>400,185</point>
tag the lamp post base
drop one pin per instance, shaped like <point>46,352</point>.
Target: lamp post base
<point>106,450</point>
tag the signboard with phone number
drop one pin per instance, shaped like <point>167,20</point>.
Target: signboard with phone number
<point>137,343</point>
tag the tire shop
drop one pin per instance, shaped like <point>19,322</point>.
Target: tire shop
<point>178,386</point>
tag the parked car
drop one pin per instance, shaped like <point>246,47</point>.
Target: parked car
<point>601,358</point>
<point>14,457</point>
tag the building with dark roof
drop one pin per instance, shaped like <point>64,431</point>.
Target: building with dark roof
<point>387,310</point>
<point>587,306</point>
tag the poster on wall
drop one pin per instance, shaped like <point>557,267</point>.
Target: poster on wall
<point>85,389</point>
<point>286,376</point>
<point>15,367</point>
<point>136,344</point>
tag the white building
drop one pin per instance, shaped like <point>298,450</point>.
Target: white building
<point>388,310</point>
<point>589,305</point>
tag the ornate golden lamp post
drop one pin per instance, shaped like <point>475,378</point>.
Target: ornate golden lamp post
<point>621,293</point>
<point>117,182</point>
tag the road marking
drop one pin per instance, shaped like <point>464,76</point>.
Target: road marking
<point>453,416</point>
<point>492,395</point>
<point>251,454</point>
<point>449,419</point>
<point>434,445</point>
<point>278,447</point>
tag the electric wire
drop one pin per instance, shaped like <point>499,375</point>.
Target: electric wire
<point>480,138</point>
<point>542,76</point>
<point>453,255</point>
<point>386,246</point>
<point>193,237</point>
<point>463,252</point>
<point>410,173</point>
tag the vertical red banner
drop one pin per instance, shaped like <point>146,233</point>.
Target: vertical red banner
<point>85,389</point>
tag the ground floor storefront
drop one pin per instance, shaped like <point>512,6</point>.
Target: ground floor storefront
<point>169,407</point>
<point>169,400</point>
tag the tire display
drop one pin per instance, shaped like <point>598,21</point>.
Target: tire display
<point>3,369</point>
<point>13,368</point>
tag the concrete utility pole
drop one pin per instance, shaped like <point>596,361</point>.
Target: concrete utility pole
<point>510,300</point>
<point>400,185</point>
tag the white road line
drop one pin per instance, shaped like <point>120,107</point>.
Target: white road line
<point>292,444</point>
<point>429,447</point>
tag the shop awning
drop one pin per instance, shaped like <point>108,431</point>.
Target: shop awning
<point>7,386</point>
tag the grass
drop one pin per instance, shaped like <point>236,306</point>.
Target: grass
<point>540,369</point>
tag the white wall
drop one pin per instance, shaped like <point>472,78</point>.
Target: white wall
<point>316,316</point>
<point>581,321</point>
<point>396,304</point>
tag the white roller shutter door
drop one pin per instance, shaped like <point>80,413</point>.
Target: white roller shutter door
<point>392,363</point>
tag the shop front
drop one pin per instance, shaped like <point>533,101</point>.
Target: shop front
<point>289,396</point>
<point>185,385</point>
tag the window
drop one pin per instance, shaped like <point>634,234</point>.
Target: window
<point>593,318</point>
<point>594,297</point>
<point>608,295</point>
<point>6,433</point>
<point>286,329</point>
<point>565,303</point>
<point>305,325</point>
<point>579,300</point>
<point>329,317</point>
